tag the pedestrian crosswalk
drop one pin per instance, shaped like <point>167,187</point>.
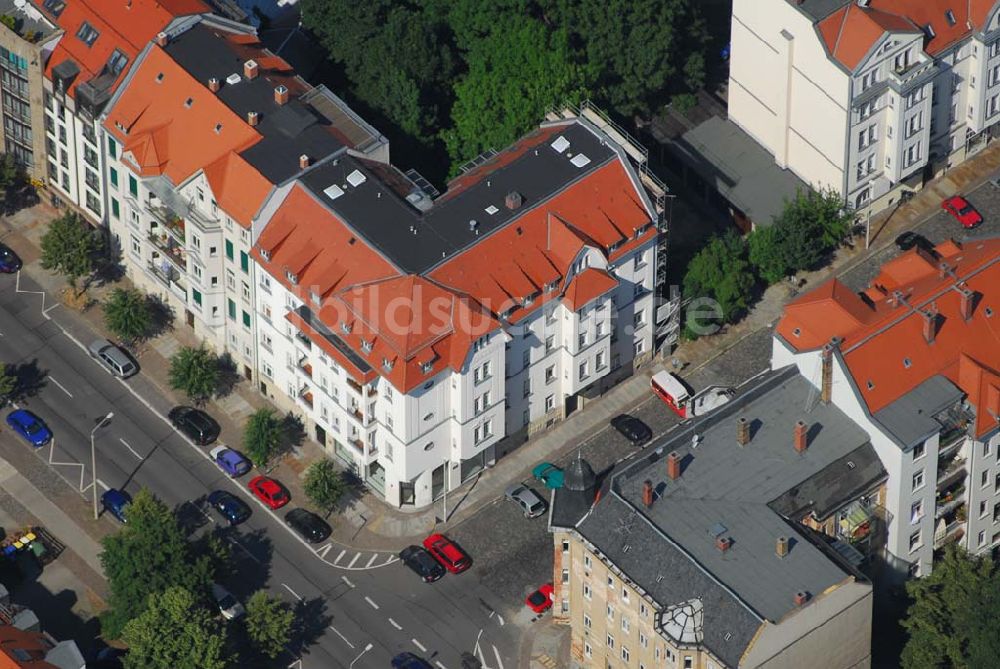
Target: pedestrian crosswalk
<point>345,557</point>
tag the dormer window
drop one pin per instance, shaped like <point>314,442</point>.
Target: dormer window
<point>530,299</point>
<point>367,345</point>
<point>345,327</point>
<point>292,276</point>
<point>314,296</point>
<point>426,367</point>
<point>265,254</point>
<point>552,285</point>
<point>387,364</point>
<point>87,34</point>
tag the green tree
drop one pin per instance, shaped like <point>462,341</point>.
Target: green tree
<point>515,73</point>
<point>148,555</point>
<point>812,224</point>
<point>70,247</point>
<point>721,271</point>
<point>175,631</point>
<point>194,372</point>
<point>269,623</point>
<point>12,177</point>
<point>128,314</point>
<point>8,382</point>
<point>262,436</point>
<point>767,253</point>
<point>324,484</point>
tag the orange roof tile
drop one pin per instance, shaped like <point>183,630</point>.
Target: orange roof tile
<point>850,32</point>
<point>587,286</point>
<point>238,187</point>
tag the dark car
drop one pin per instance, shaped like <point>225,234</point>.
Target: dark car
<point>116,503</point>
<point>632,428</point>
<point>229,506</point>
<point>422,562</point>
<point>308,525</point>
<point>9,262</point>
<point>29,426</point>
<point>196,424</point>
<point>910,239</point>
<point>409,661</point>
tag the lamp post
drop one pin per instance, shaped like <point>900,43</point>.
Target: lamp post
<point>93,457</point>
<point>367,648</point>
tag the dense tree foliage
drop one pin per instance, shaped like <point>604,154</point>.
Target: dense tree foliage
<point>195,372</point>
<point>262,436</point>
<point>8,382</point>
<point>175,631</point>
<point>324,484</point>
<point>721,271</point>
<point>70,247</point>
<point>269,623</point>
<point>128,314</point>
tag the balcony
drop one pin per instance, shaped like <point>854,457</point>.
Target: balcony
<point>170,249</point>
<point>356,412</point>
<point>169,277</point>
<point>949,534</point>
<point>357,444</point>
<point>949,501</point>
<point>304,366</point>
<point>305,394</point>
<point>303,340</point>
<point>355,386</point>
<point>950,469</point>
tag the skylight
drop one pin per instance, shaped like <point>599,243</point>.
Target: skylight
<point>560,144</point>
<point>88,34</point>
<point>950,17</point>
<point>356,178</point>
<point>117,62</point>
<point>580,160</point>
<point>492,209</point>
<point>54,7</point>
<point>333,191</point>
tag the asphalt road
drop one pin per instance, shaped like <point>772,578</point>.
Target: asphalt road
<point>388,607</point>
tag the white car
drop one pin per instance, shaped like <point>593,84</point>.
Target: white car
<point>229,606</point>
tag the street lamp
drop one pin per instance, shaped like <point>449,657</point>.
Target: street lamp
<point>367,648</point>
<point>93,456</point>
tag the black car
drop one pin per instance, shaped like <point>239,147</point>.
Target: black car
<point>632,428</point>
<point>909,240</point>
<point>309,526</point>
<point>422,562</point>
<point>409,661</point>
<point>9,262</point>
<point>229,506</point>
<point>196,424</point>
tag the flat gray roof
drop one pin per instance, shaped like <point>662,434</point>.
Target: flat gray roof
<point>743,171</point>
<point>910,419</point>
<point>824,492</point>
<point>819,9</point>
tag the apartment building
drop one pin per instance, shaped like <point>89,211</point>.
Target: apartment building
<point>23,49</point>
<point>97,44</point>
<point>690,555</point>
<point>414,334</point>
<point>913,360</point>
<point>868,97</point>
<point>202,128</point>
<point>24,644</point>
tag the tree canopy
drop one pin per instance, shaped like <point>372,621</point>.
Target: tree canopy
<point>262,436</point>
<point>721,271</point>
<point>324,484</point>
<point>70,247</point>
<point>269,623</point>
<point>128,314</point>
<point>8,382</point>
<point>195,372</point>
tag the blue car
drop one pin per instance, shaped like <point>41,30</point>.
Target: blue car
<point>9,262</point>
<point>29,426</point>
<point>230,461</point>
<point>409,661</point>
<point>230,507</point>
<point>116,503</point>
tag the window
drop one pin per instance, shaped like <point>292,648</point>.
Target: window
<point>867,137</point>
<point>115,208</point>
<point>483,432</point>
<point>915,542</point>
<point>643,641</point>
<point>244,262</point>
<point>868,79</point>
<point>688,662</point>
<point>550,374</point>
<point>136,246</point>
<point>638,318</point>
<point>482,372</point>
<point>981,539</point>
<point>482,403</point>
<point>232,309</point>
<point>625,625</point>
<point>196,296</point>
<point>642,609</point>
<point>565,546</point>
<point>582,340</point>
<point>611,641</point>
<point>550,403</point>
<point>866,167</point>
<point>587,650</point>
<point>914,124</point>
<point>586,590</point>
<point>112,148</point>
<point>994,49</point>
<point>986,449</point>
<point>87,34</point>
<point>586,561</point>
<point>639,346</point>
<point>113,174</point>
<point>527,387</point>
<point>133,186</point>
<point>918,479</point>
<point>600,360</point>
<point>913,154</point>
<point>983,509</point>
<point>229,249</point>
<point>902,61</point>
<point>914,97</point>
<point>550,343</point>
<point>246,291</point>
<point>584,370</point>
<point>918,451</point>
<point>916,512</point>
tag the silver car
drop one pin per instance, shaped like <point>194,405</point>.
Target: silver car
<point>531,504</point>
<point>113,358</point>
<point>229,606</point>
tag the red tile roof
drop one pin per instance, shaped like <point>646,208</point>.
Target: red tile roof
<point>587,286</point>
<point>879,333</point>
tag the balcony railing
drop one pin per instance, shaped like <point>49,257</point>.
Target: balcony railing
<point>355,386</point>
<point>952,533</point>
<point>305,394</point>
<point>170,249</point>
<point>357,443</point>
<point>949,470</point>
<point>305,367</point>
<point>169,277</point>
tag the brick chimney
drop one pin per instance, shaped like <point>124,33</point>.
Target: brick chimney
<point>513,200</point>
<point>213,84</point>
<point>162,39</point>
<point>781,547</point>
<point>303,161</point>
<point>251,69</point>
<point>723,543</point>
<point>742,431</point>
<point>253,118</point>
<point>930,325</point>
<point>280,94</point>
<point>826,378</point>
<point>674,466</point>
<point>647,493</point>
<point>968,301</point>
<point>801,597</point>
<point>801,436</point>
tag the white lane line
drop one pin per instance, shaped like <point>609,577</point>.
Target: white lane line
<point>347,581</point>
<point>441,666</point>
<point>423,649</point>
<point>372,559</point>
<point>354,560</point>
<point>371,602</point>
<point>497,653</point>
<point>344,638</point>
<point>340,556</point>
<point>475,649</point>
<point>61,386</point>
<point>395,624</point>
<point>500,619</point>
<point>102,484</point>
<point>324,550</point>
<point>294,594</point>
<point>132,450</point>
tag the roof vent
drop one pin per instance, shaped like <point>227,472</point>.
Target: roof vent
<point>492,209</point>
<point>333,191</point>
<point>233,79</point>
<point>303,161</point>
<point>723,543</point>
<point>162,39</point>
<point>356,178</point>
<point>188,103</point>
<point>560,144</point>
<point>580,160</point>
<point>280,94</point>
<point>251,69</point>
<point>218,128</point>
<point>253,118</point>
<point>513,200</point>
<point>473,225</point>
<point>781,547</point>
<point>801,597</point>
<point>214,85</point>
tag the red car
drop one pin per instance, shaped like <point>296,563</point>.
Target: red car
<point>540,600</point>
<point>962,211</point>
<point>447,552</point>
<point>270,492</point>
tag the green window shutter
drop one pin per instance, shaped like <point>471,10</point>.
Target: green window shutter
<point>112,148</point>
<point>115,210</point>
<point>114,176</point>
<point>133,186</point>
<point>196,296</point>
<point>232,310</point>
<point>246,319</point>
<point>244,262</point>
<point>229,249</point>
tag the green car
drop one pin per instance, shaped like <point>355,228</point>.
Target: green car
<point>548,474</point>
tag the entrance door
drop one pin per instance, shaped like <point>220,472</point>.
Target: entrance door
<point>321,435</point>
<point>247,372</point>
<point>437,481</point>
<point>407,493</point>
<point>189,318</point>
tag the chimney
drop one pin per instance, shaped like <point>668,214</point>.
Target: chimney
<point>801,597</point>
<point>723,543</point>
<point>674,466</point>
<point>930,325</point>
<point>801,436</point>
<point>647,493</point>
<point>213,84</point>
<point>251,69</point>
<point>513,200</point>
<point>742,431</point>
<point>303,161</point>
<point>280,94</point>
<point>968,301</point>
<point>253,118</point>
<point>826,378</point>
<point>162,39</point>
<point>781,547</point>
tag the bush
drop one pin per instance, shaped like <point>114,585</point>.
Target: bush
<point>721,271</point>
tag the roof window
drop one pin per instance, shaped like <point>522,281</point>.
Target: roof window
<point>189,102</point>
<point>871,384</point>
<point>367,345</point>
<point>159,77</point>
<point>492,209</point>
<point>426,367</point>
<point>560,144</point>
<point>387,364</point>
<point>87,34</point>
<point>117,62</point>
<point>907,362</point>
<point>356,178</point>
<point>218,128</point>
<point>950,17</point>
<point>54,7</point>
<point>929,31</point>
<point>580,160</point>
<point>291,276</point>
<point>233,79</point>
<point>345,327</point>
<point>333,191</point>
<point>266,254</point>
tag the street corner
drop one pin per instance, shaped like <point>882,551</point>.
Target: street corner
<point>547,647</point>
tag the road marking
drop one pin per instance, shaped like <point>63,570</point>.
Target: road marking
<point>347,581</point>
<point>125,443</point>
<point>395,624</point>
<point>475,648</point>
<point>440,665</point>
<point>324,550</point>
<point>497,653</point>
<point>294,594</point>
<point>419,645</point>
<point>371,602</point>
<point>61,386</point>
<point>354,560</point>
<point>340,556</point>
<point>344,638</point>
<point>103,484</point>
<point>374,555</point>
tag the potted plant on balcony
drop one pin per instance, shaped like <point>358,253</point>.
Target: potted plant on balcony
<point>961,514</point>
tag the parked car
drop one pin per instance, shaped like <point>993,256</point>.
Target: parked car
<point>632,428</point>
<point>308,525</point>
<point>409,661</point>
<point>540,600</point>
<point>447,553</point>
<point>9,262</point>
<point>229,606</point>
<point>531,504</point>
<point>229,506</point>
<point>232,462</point>
<point>196,424</point>
<point>30,427</point>
<point>548,474</point>
<point>422,563</point>
<point>269,491</point>
<point>910,239</point>
<point>962,211</point>
<point>117,361</point>
<point>116,503</point>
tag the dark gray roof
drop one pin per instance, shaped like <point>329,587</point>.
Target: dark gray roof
<point>824,492</point>
<point>910,419</point>
<point>725,489</point>
<point>579,476</point>
<point>743,171</point>
<point>415,240</point>
<point>310,319</point>
<point>819,9</point>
